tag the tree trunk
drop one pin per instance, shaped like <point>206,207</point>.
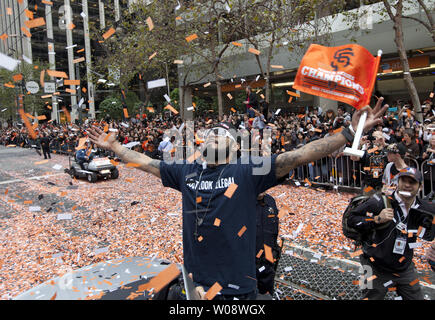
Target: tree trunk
<point>182,98</point>
<point>398,39</point>
<point>219,94</point>
<point>141,96</point>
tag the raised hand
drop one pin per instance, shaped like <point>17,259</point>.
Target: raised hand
<point>102,139</point>
<point>374,116</point>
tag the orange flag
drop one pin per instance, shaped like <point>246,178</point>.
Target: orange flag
<point>345,73</point>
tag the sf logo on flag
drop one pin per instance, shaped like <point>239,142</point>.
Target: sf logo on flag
<point>343,57</point>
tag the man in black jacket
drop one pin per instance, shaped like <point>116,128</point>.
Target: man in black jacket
<point>45,145</point>
<point>267,235</point>
<point>390,235</point>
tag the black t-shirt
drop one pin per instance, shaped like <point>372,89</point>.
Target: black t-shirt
<point>222,255</point>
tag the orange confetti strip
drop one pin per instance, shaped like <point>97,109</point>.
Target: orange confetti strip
<point>132,165</point>
<point>198,199</point>
<point>373,277</point>
<point>192,37</point>
<point>217,222</point>
<point>150,23</point>
<point>48,3</point>
<point>392,289</point>
<point>9,85</point>
<point>114,162</point>
<point>414,282</point>
<point>259,253</point>
<point>242,231</point>
<point>6,191</point>
<point>109,33</point>
<point>161,280</point>
<point>41,77</point>
<point>213,291</point>
<point>233,110</point>
<point>39,22</point>
<point>268,253</point>
<point>71,82</point>
<point>30,130</point>
<point>237,44</point>
<point>171,108</point>
<point>230,190</point>
<point>81,59</point>
<point>28,202</point>
<point>401,259</point>
<point>152,56</point>
<point>72,91</point>
<point>294,94</point>
<point>54,296</point>
<point>57,74</point>
<point>125,112</point>
<point>254,51</point>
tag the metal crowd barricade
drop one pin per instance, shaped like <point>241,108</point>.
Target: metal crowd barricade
<point>428,172</point>
<point>411,162</point>
<point>347,173</point>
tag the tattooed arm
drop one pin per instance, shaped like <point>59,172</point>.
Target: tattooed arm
<point>310,152</point>
<point>321,148</point>
<point>108,142</point>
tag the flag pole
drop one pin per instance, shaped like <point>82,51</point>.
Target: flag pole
<point>354,151</point>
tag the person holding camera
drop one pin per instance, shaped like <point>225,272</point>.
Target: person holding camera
<point>390,229</point>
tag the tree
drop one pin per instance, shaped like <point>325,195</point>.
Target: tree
<point>273,24</point>
<point>397,11</point>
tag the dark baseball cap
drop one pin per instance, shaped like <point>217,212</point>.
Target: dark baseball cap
<point>396,148</point>
<point>411,172</point>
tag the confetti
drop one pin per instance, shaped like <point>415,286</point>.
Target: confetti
<point>242,231</point>
<point>254,51</point>
<point>35,23</point>
<point>109,33</point>
<point>213,291</point>
<point>268,253</point>
<point>150,23</point>
<point>230,190</point>
<point>192,37</point>
<point>161,280</point>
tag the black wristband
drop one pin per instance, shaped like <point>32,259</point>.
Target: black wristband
<point>347,134</point>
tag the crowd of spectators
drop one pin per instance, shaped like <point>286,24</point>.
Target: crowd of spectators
<point>289,131</point>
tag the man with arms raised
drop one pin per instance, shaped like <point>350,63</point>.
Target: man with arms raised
<point>219,199</point>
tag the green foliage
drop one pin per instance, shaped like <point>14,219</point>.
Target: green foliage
<point>111,106</point>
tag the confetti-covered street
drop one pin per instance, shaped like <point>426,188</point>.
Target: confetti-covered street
<point>51,224</point>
